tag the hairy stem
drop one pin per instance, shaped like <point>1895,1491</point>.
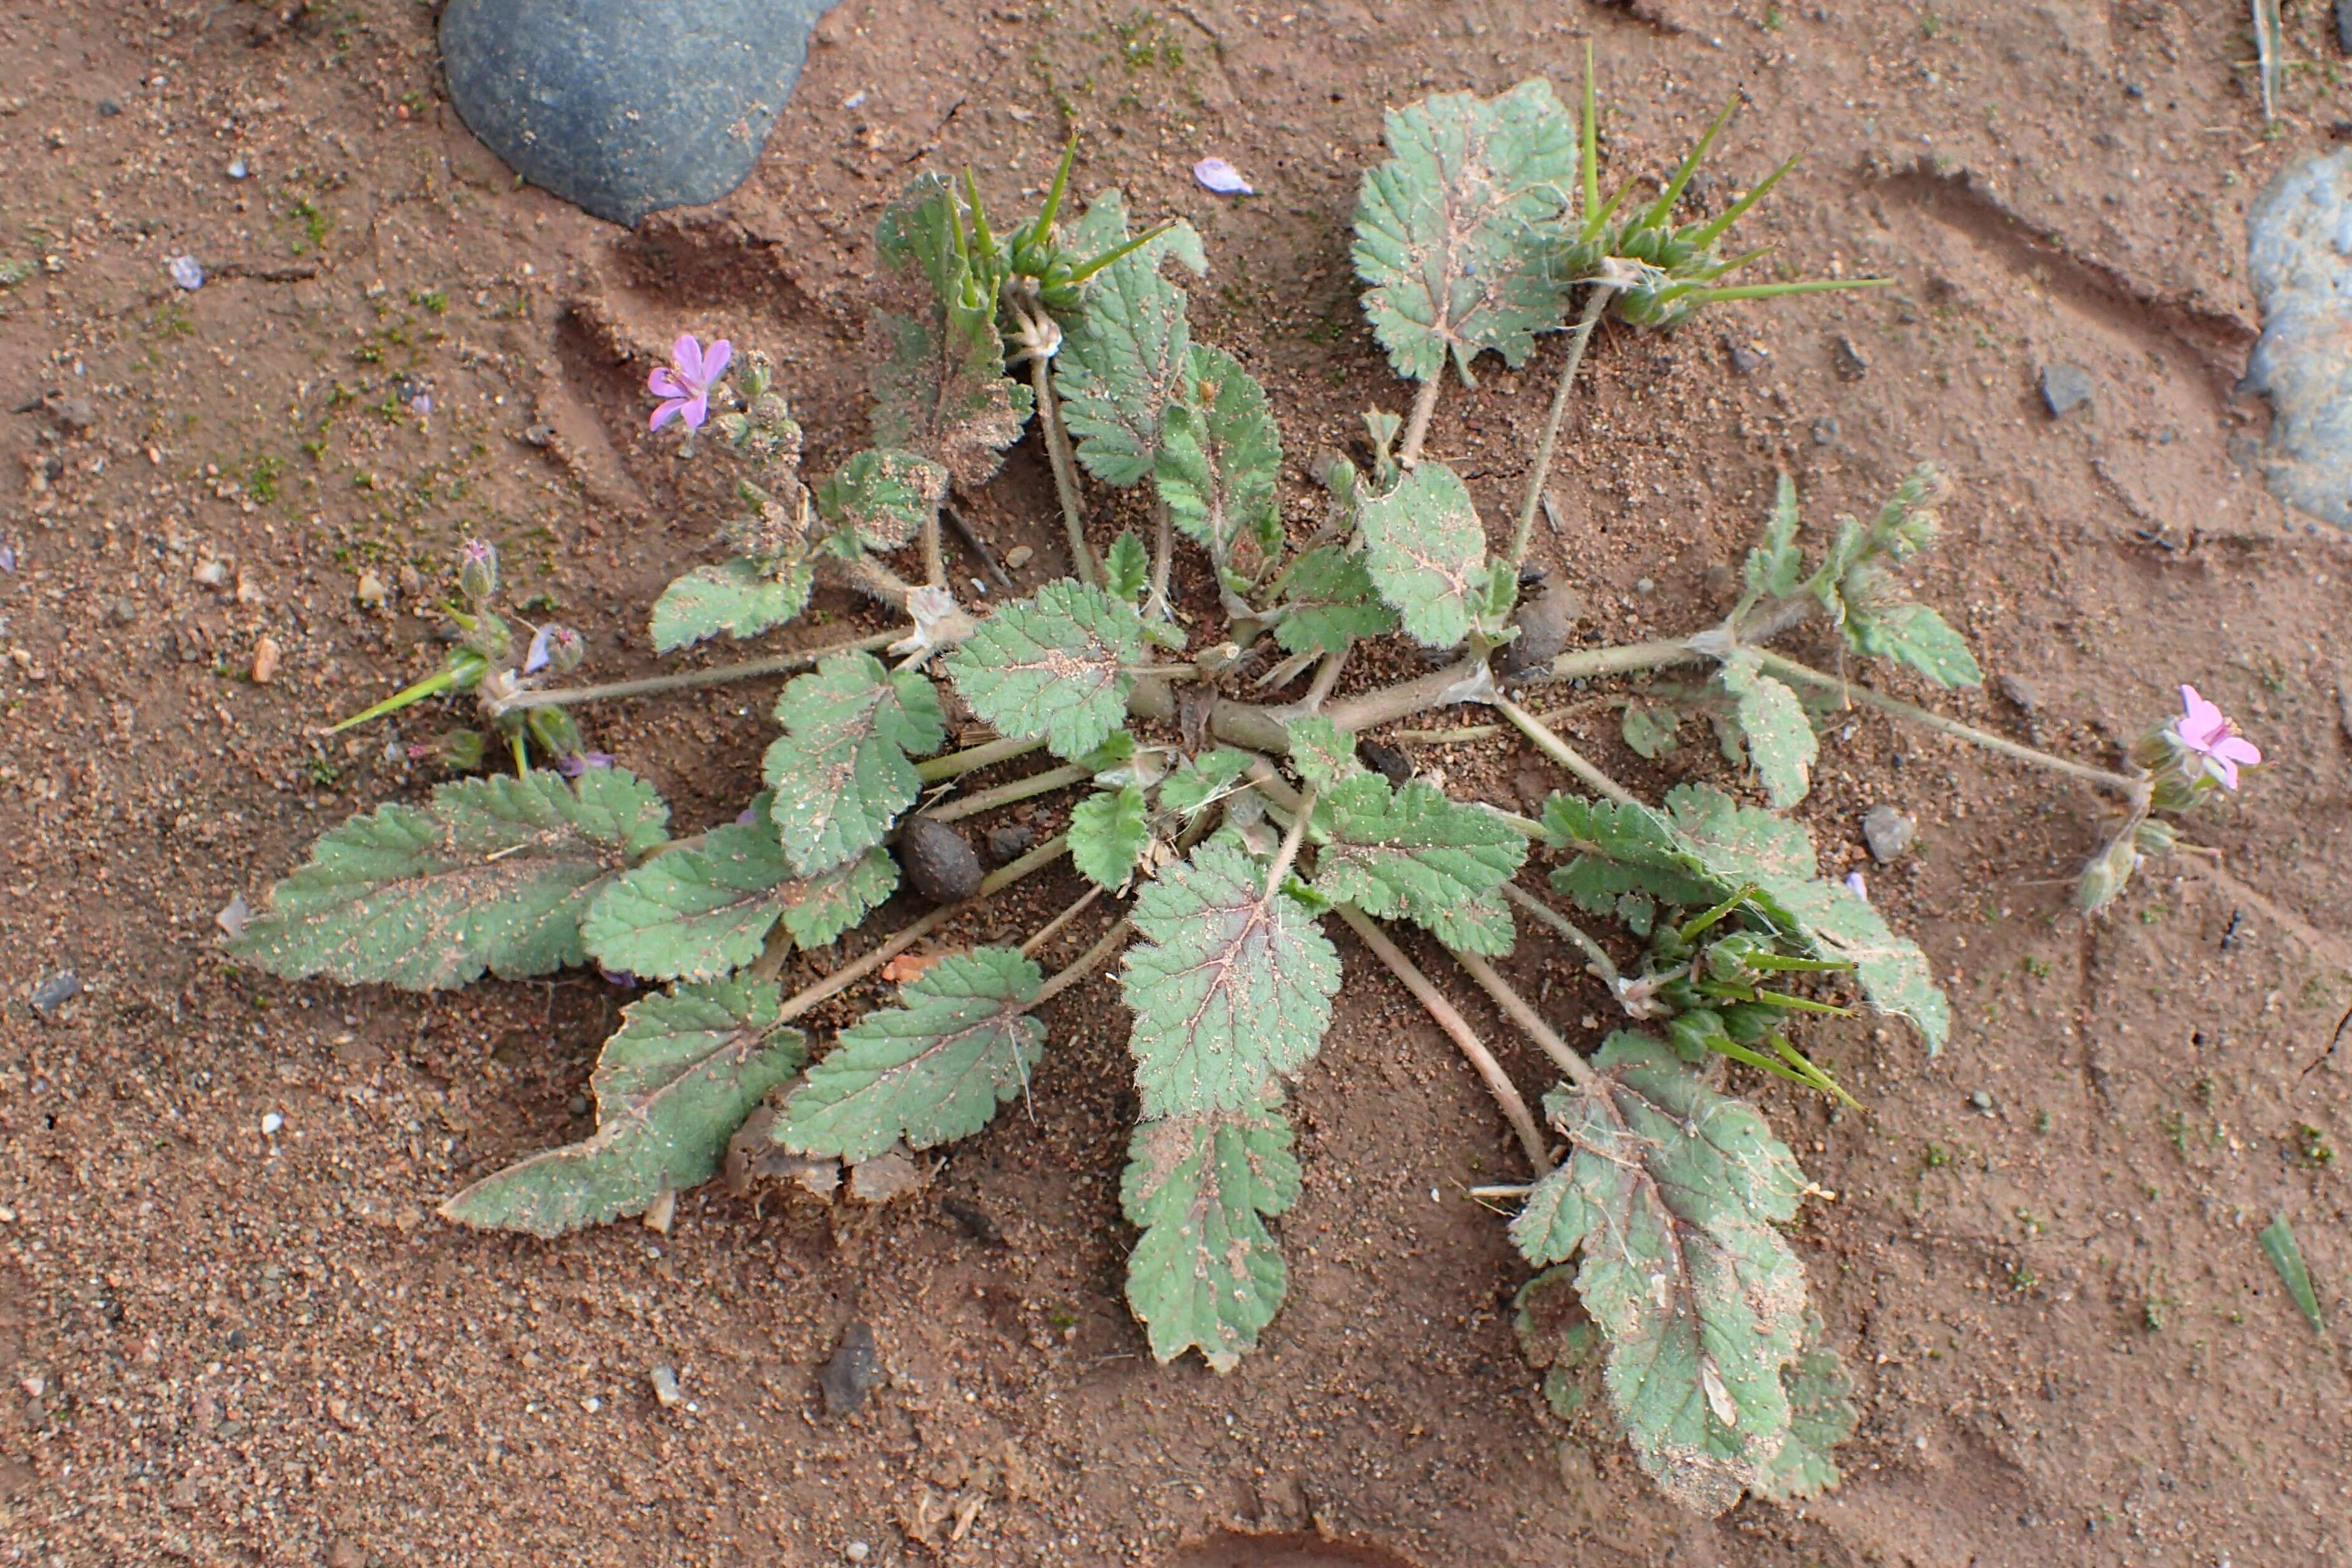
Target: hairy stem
<point>1105,947</point>
<point>935,561</point>
<point>1046,933</point>
<point>1325,677</point>
<point>1630,659</point>
<point>717,675</point>
<point>1602,965</point>
<point>988,799</point>
<point>1595,303</point>
<point>955,764</point>
<point>1083,560</point>
<point>1561,751</point>
<point>1302,814</point>
<point>2122,784</point>
<point>1498,1082</point>
<point>1416,429</point>
<point>770,963</point>
<point>1523,1013</point>
<point>1163,559</point>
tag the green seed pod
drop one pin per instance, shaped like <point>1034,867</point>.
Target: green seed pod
<point>459,750</point>
<point>2105,876</point>
<point>1693,1034</point>
<point>2156,838</point>
<point>477,569</point>
<point>553,729</point>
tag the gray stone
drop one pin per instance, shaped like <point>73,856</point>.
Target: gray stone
<point>2065,388</point>
<point>1888,832</point>
<point>2344,26</point>
<point>853,1373</point>
<point>1545,623</point>
<point>1847,361</point>
<point>2019,691</point>
<point>1825,430</point>
<point>2299,258</point>
<point>624,106</point>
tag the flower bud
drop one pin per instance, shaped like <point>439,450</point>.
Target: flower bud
<point>477,569</point>
<point>565,649</point>
<point>757,372</point>
<point>2154,751</point>
<point>2156,838</point>
<point>2107,875</point>
<point>2176,790</point>
<point>554,730</point>
<point>459,750</point>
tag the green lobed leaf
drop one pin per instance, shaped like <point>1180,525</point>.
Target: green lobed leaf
<point>738,598</point>
<point>1781,745</point>
<point>1199,781</point>
<point>1671,1197</point>
<point>1426,550</point>
<point>840,771</point>
<point>1458,234</point>
<point>1126,566</point>
<point>1108,832</point>
<point>818,909</point>
<point>694,914</point>
<point>1219,455</point>
<point>939,383</point>
<point>1652,728</point>
<point>928,1070</point>
<point>884,496</point>
<point>671,1088</point>
<point>490,874</point>
<point>1206,1274</point>
<point>1123,366</point>
<point>1321,751</point>
<point>1912,634</point>
<point>1409,853</point>
<point>1821,1417</point>
<point>1776,568</point>
<point>1621,851</point>
<point>1053,668</point>
<point>1230,986</point>
<point>1560,1339</point>
<point>1330,602</point>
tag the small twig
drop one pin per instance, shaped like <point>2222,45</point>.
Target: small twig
<point>1602,965</point>
<point>770,963</point>
<point>1595,303</point>
<point>1561,751</point>
<point>717,675</point>
<point>1522,1013</point>
<point>1164,557</point>
<point>935,562</point>
<point>2122,784</point>
<point>1052,927</point>
<point>1302,814</point>
<point>1083,560</point>
<point>988,799</point>
<point>1085,963</point>
<point>1325,677</point>
<point>1498,1082</point>
<point>1416,429</point>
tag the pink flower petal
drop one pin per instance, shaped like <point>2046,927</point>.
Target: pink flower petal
<point>663,382</point>
<point>668,412</point>
<point>1216,175</point>
<point>2201,723</point>
<point>688,355</point>
<point>2224,770</point>
<point>715,363</point>
<point>696,411</point>
<point>2239,749</point>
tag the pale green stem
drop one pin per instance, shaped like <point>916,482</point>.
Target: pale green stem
<point>1085,964</point>
<point>1303,813</point>
<point>1561,751</point>
<point>1325,679</point>
<point>1521,1013</point>
<point>1457,1028</point>
<point>1416,429</point>
<point>1163,558</point>
<point>717,675</point>
<point>955,764</point>
<point>1083,560</point>
<point>2120,783</point>
<point>1602,965</point>
<point>1595,303</point>
<point>1631,659</point>
<point>1044,783</point>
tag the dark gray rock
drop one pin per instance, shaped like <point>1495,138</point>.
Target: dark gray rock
<point>852,1374</point>
<point>1009,842</point>
<point>1888,832</point>
<point>2344,26</point>
<point>1545,623</point>
<point>624,106</point>
<point>939,861</point>
<point>1847,361</point>
<point>56,991</point>
<point>2065,388</point>
<point>2299,260</point>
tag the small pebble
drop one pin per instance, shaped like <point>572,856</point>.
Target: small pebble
<point>1888,832</point>
<point>239,168</point>
<point>108,108</point>
<point>1386,760</point>
<point>853,1373</point>
<point>210,572</point>
<point>264,661</point>
<point>666,1389</point>
<point>56,991</point>
<point>123,612</point>
<point>270,1124</point>
<point>372,591</point>
<point>236,917</point>
<point>1982,1101</point>
<point>858,1552</point>
<point>1825,430</point>
<point>186,271</point>
<point>1746,358</point>
<point>1847,361</point>
<point>1018,557</point>
<point>1010,843</point>
<point>1216,175</point>
<point>1545,623</point>
<point>2065,388</point>
<point>539,434</point>
<point>2019,691</point>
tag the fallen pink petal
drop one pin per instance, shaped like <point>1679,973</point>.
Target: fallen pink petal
<point>1216,175</point>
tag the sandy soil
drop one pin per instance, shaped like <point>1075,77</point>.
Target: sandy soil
<point>224,1346</point>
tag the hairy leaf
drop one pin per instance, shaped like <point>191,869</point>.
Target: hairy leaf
<point>1330,602</point>
<point>1053,668</point>
<point>1427,553</point>
<point>695,914</point>
<point>1108,832</point>
<point>1776,568</point>
<point>490,874</point>
<point>1220,454</point>
<point>818,909</point>
<point>1652,729</point>
<point>1912,634</point>
<point>1123,366</point>
<point>1621,851</point>
<point>1821,1417</point>
<point>1321,751</point>
<point>1206,1274</point>
<point>840,771</point>
<point>1458,234</point>
<point>738,598</point>
<point>1199,781</point>
<point>939,383</point>
<point>1671,1196</point>
<point>1126,566</point>
<point>1230,986</point>
<point>1412,853</point>
<point>671,1088</point>
<point>884,496</point>
<point>932,1068</point>
<point>1781,745</point>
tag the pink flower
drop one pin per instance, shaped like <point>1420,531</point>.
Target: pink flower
<point>2205,731</point>
<point>684,384</point>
